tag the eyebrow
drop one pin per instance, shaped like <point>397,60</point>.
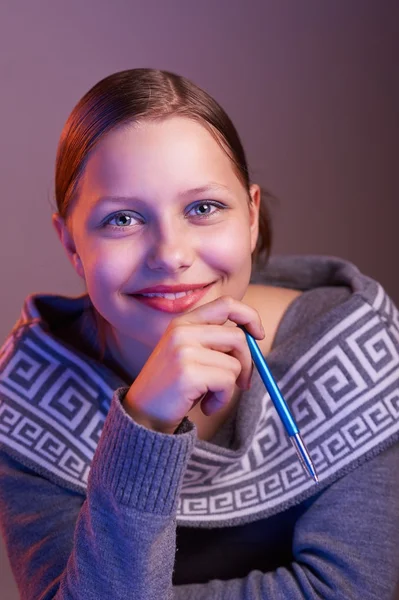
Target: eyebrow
<point>210,187</point>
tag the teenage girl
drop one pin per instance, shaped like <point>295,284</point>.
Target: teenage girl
<point>141,457</point>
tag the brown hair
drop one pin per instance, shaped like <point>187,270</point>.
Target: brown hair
<point>138,94</point>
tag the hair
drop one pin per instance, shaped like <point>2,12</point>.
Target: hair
<point>146,94</point>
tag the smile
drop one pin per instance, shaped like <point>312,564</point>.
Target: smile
<point>170,302</point>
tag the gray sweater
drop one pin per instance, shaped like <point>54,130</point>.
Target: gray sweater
<point>94,506</point>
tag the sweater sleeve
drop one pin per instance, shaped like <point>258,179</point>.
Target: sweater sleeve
<point>119,542</point>
<point>345,545</point>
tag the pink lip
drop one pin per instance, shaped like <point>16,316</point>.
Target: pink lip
<point>177,305</point>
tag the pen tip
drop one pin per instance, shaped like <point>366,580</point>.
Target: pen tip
<point>316,479</point>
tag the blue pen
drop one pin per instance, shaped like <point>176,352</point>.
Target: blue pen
<point>281,405</point>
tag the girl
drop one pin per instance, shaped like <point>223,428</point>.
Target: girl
<point>140,454</point>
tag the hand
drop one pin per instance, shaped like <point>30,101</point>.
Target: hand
<point>200,358</point>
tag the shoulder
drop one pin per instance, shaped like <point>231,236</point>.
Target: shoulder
<point>53,398</point>
<point>271,303</point>
<point>336,362</point>
<point>337,366</point>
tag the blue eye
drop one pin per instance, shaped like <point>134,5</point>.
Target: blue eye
<point>204,208</point>
<point>121,220</point>
<point>125,219</point>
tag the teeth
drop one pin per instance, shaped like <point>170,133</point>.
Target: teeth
<point>167,296</point>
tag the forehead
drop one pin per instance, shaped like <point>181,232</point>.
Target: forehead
<point>154,156</point>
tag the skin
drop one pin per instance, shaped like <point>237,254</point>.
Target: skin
<point>150,171</point>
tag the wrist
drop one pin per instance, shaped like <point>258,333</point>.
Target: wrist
<point>142,419</point>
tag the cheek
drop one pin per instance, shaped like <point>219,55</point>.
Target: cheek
<point>107,267</point>
<point>230,248</point>
<point>229,253</point>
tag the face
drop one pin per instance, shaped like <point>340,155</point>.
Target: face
<point>160,210</point>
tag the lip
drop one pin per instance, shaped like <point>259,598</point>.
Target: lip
<point>176,305</point>
<point>172,289</point>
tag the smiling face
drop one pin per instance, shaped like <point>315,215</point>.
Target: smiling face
<point>160,204</point>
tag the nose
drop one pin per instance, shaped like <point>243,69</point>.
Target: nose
<point>170,250</point>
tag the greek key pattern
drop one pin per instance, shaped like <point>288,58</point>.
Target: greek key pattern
<point>52,406</point>
<point>343,392</point>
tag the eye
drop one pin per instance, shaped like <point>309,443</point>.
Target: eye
<point>121,220</point>
<point>206,208</point>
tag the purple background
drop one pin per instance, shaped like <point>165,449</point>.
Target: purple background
<point>312,86</point>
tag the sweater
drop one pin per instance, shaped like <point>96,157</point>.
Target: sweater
<point>94,505</point>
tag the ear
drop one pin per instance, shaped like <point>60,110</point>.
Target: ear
<point>254,207</point>
<point>67,241</point>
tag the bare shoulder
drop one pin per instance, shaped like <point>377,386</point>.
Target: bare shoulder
<point>271,303</point>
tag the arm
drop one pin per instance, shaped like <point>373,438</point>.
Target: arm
<point>345,545</point>
<point>120,542</point>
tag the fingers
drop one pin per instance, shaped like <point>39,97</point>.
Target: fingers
<point>224,347</point>
<point>220,384</point>
<point>225,309</point>
<point>203,358</point>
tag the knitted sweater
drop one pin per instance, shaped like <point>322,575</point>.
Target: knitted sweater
<point>93,506</point>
